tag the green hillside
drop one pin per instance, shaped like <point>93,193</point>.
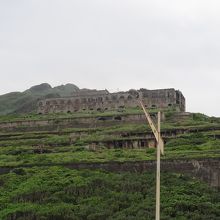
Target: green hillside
<point>25,102</point>
<point>39,181</point>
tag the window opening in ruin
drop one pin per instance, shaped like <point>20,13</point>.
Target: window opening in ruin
<point>99,109</point>
<point>153,106</point>
<point>114,97</point>
<point>170,105</point>
<point>118,118</point>
<point>83,100</point>
<point>102,118</point>
<point>129,97</point>
<point>77,101</point>
<point>69,102</point>
<point>120,144</point>
<point>68,112</point>
<point>142,144</point>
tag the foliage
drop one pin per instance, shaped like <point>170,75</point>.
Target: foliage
<point>60,193</point>
<point>25,102</point>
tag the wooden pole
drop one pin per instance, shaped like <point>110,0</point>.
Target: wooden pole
<point>158,173</point>
<point>160,150</point>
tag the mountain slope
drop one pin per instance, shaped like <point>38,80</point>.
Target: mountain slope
<point>25,102</point>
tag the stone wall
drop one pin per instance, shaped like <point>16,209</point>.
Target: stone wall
<point>208,170</point>
<point>103,101</point>
<point>77,122</point>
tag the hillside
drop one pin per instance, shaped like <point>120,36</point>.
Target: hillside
<point>93,165</point>
<point>25,102</point>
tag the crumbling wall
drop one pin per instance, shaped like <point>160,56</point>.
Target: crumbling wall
<point>103,101</point>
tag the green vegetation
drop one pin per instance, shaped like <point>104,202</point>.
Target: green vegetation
<point>38,187</point>
<point>82,114</point>
<point>60,193</point>
<point>25,102</point>
<point>53,150</point>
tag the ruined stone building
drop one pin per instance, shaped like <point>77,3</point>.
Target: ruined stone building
<point>102,100</point>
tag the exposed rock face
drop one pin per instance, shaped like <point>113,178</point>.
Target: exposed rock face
<point>103,100</point>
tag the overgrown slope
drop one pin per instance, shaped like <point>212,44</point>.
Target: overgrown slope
<point>36,183</point>
<point>25,102</point>
<point>61,194</point>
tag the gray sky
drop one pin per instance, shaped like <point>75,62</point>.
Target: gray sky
<point>114,44</point>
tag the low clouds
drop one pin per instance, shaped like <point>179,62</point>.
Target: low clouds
<point>115,45</point>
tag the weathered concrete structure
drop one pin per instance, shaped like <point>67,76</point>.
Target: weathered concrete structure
<point>102,100</point>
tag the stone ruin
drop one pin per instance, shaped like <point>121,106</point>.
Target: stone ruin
<point>103,100</point>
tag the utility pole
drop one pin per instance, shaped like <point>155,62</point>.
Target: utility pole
<point>160,150</point>
<point>158,173</point>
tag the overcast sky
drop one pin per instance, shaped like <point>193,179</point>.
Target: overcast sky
<point>114,44</point>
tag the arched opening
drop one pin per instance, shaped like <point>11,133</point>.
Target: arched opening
<point>143,144</point>
<point>69,102</point>
<point>118,118</point>
<point>77,101</point>
<point>100,99</point>
<point>102,118</point>
<point>120,144</point>
<point>129,97</point>
<point>121,107</point>
<point>99,109</point>
<point>114,98</point>
<point>153,106</point>
<point>69,112</point>
<point>84,100</point>
<point>169,105</point>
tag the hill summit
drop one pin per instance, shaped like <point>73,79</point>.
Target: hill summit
<point>26,101</point>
